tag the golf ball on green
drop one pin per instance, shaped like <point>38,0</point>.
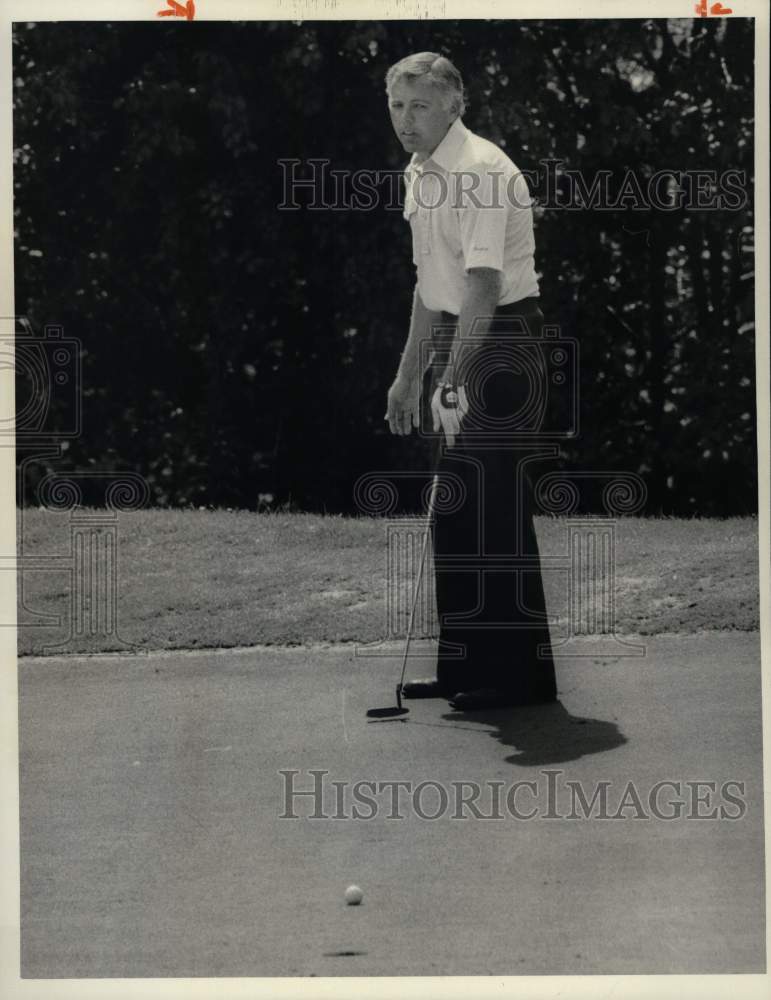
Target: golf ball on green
<point>353,895</point>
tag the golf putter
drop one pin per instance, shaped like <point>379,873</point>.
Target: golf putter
<point>398,710</point>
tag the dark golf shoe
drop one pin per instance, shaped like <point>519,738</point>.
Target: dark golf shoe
<point>425,687</point>
<point>471,701</point>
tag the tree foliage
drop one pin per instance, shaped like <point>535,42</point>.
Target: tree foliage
<point>238,354</point>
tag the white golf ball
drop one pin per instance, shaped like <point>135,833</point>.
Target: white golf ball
<point>353,895</point>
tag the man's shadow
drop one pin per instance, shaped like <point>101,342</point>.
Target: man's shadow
<point>545,734</point>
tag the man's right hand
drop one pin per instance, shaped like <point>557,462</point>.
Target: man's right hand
<point>403,411</point>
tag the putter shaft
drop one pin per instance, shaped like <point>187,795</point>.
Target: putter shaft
<point>429,519</point>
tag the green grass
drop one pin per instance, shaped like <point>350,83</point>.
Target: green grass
<point>190,579</point>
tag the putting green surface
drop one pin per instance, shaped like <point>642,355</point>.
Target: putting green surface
<point>153,843</point>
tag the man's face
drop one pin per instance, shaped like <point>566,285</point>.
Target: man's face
<point>419,115</point>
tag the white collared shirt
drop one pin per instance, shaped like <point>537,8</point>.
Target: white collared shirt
<point>469,206</point>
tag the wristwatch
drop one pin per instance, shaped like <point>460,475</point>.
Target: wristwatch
<point>449,395</point>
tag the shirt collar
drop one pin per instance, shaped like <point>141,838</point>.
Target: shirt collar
<point>446,153</point>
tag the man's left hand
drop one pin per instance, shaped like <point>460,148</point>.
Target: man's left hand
<point>449,418</point>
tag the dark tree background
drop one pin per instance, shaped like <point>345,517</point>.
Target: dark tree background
<point>239,355</point>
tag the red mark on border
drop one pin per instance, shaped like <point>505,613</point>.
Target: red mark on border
<point>178,10</point>
<point>717,9</point>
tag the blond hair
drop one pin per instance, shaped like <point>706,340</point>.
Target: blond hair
<point>434,68</point>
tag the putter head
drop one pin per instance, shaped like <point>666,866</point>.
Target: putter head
<point>389,713</point>
<point>392,712</point>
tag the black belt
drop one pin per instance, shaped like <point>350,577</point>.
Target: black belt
<point>520,308</point>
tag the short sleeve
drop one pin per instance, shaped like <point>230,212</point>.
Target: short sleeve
<point>483,214</point>
<point>410,212</point>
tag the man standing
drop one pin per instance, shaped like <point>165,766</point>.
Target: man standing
<point>472,231</point>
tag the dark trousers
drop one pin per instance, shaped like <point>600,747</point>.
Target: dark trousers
<point>492,613</point>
